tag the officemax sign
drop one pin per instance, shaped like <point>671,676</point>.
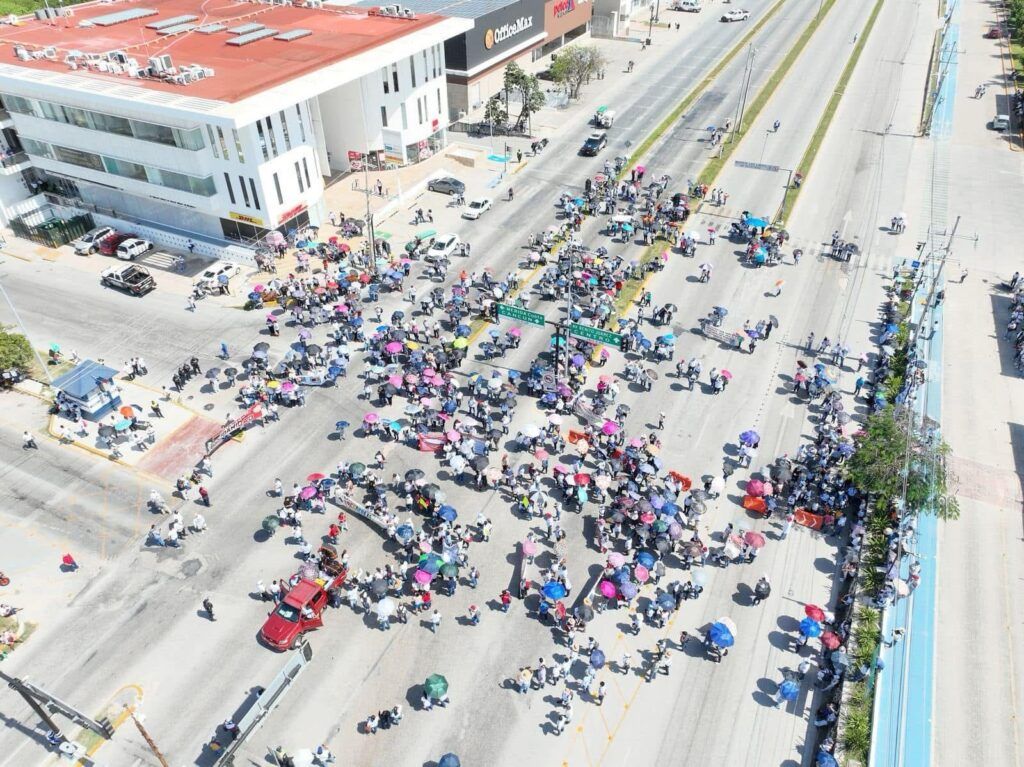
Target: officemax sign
<point>498,35</point>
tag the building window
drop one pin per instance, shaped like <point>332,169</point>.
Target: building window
<point>419,109</point>
<point>231,191</point>
<point>238,146</point>
<point>298,175</point>
<point>384,77</point>
<point>284,130</point>
<point>394,76</point>
<point>223,144</point>
<point>273,138</point>
<point>255,197</point>
<point>277,188</point>
<point>305,169</point>
<point>439,101</point>
<point>412,69</point>
<point>302,124</point>
<point>426,70</point>
<point>213,142</point>
<point>263,140</point>
<point>384,117</point>
<point>245,192</point>
<point>405,121</point>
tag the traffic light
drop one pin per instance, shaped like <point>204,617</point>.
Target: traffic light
<point>624,343</point>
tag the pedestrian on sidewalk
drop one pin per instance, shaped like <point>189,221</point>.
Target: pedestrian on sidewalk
<point>190,303</point>
<point>208,606</point>
<point>435,621</point>
<point>204,495</point>
<point>155,407</point>
<point>28,441</point>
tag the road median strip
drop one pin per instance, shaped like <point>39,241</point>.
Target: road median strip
<point>807,161</point>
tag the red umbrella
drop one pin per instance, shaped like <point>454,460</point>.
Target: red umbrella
<point>316,477</point>
<point>755,539</point>
<point>582,479</point>
<point>830,640</point>
<point>814,612</point>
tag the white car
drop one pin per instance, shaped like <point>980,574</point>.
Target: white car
<point>477,208</point>
<point>212,273</point>
<point>736,15</point>
<point>444,246</point>
<point>90,241</point>
<point>132,247</point>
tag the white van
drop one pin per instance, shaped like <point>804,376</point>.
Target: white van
<point>130,248</point>
<point>692,6</point>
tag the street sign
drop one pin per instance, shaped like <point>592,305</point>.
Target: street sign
<point>594,334</point>
<point>756,166</point>
<point>523,315</point>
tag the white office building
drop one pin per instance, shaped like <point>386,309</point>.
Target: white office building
<point>218,123</point>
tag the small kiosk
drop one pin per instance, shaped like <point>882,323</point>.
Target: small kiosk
<point>89,386</point>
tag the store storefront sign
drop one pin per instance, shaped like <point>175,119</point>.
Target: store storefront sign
<point>254,220</point>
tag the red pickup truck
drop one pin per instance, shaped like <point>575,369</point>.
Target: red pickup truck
<point>302,608</point>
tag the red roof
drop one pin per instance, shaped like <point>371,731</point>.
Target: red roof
<point>240,71</point>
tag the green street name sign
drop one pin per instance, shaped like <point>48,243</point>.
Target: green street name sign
<point>594,334</point>
<point>523,315</point>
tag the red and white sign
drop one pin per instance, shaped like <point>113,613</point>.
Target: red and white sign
<point>291,213</point>
<point>355,160</point>
<point>254,413</point>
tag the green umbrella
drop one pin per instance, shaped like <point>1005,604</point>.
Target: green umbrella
<point>381,235</point>
<point>449,570</point>
<point>435,686</point>
<point>357,469</point>
<point>271,523</point>
<point>427,233</point>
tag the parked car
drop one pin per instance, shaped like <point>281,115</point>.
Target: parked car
<point>132,247</point>
<point>444,246</point>
<point>691,6</point>
<point>595,143</point>
<point>109,244</point>
<point>737,14</point>
<point>213,272</point>
<point>1000,122</point>
<point>994,33</point>
<point>446,185</point>
<point>90,241</point>
<point>130,278</point>
<point>477,208</point>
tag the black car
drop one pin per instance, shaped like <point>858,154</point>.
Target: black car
<point>132,278</point>
<point>446,185</point>
<point>594,144</point>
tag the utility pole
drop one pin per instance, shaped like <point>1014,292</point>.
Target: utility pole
<point>742,104</point>
<point>149,740</point>
<point>17,318</point>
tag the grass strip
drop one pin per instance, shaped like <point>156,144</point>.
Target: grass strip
<point>696,91</point>
<point>715,165</point>
<point>804,167</point>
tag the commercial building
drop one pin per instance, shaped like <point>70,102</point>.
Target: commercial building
<point>218,121</point>
<point>503,31</point>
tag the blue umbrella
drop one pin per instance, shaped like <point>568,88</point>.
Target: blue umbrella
<point>628,590</point>
<point>553,590</point>
<point>789,690</point>
<point>621,575</point>
<point>447,513</point>
<point>749,437</point>
<point>356,322</point>
<point>657,501</point>
<point>758,222</point>
<point>597,658</point>
<point>810,628</point>
<point>720,635</point>
<point>334,371</point>
<point>825,759</point>
<point>123,424</point>
<point>646,559</point>
<point>404,533</point>
<point>666,601</point>
<point>449,760</point>
<point>463,330</point>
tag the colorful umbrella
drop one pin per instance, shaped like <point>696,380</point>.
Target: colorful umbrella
<point>810,628</point>
<point>435,686</point>
<point>814,612</point>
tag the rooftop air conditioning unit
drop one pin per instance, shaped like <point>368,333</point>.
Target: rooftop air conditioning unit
<point>119,56</point>
<point>12,18</point>
<point>115,68</point>
<point>161,63</point>
<point>133,70</point>
<point>22,53</point>
<point>409,13</point>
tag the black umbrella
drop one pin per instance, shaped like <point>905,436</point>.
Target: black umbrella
<point>480,462</point>
<point>230,372</point>
<point>414,474</point>
<point>584,613</point>
<point>262,346</point>
<point>662,545</point>
<point>212,373</point>
<point>379,587</point>
<point>431,491</point>
<point>313,349</point>
<point>106,431</point>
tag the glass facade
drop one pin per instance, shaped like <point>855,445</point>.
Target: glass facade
<point>191,139</point>
<point>124,168</point>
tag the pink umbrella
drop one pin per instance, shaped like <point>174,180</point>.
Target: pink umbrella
<point>425,547</point>
<point>429,372</point>
<point>394,347</point>
<point>272,317</point>
<point>515,332</point>
<point>615,559</point>
<point>754,538</point>
<point>412,377</point>
<point>641,573</point>
<point>395,380</point>
<point>607,589</point>
<point>422,576</point>
<point>529,548</point>
<point>561,468</point>
<point>636,442</point>
<point>257,288</point>
<point>540,454</point>
<point>647,518</point>
<point>436,381</point>
<point>609,428</point>
<point>307,492</point>
<point>452,435</point>
<point>371,418</point>
<point>755,487</point>
<point>341,307</point>
<point>288,386</point>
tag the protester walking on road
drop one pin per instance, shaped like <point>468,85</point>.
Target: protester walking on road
<point>208,606</point>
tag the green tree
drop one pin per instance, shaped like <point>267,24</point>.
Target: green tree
<point>892,456</point>
<point>575,65</point>
<point>527,90</point>
<point>495,111</point>
<point>15,351</point>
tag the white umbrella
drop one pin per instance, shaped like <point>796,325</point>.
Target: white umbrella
<point>385,607</point>
<point>531,431</point>
<point>303,758</point>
